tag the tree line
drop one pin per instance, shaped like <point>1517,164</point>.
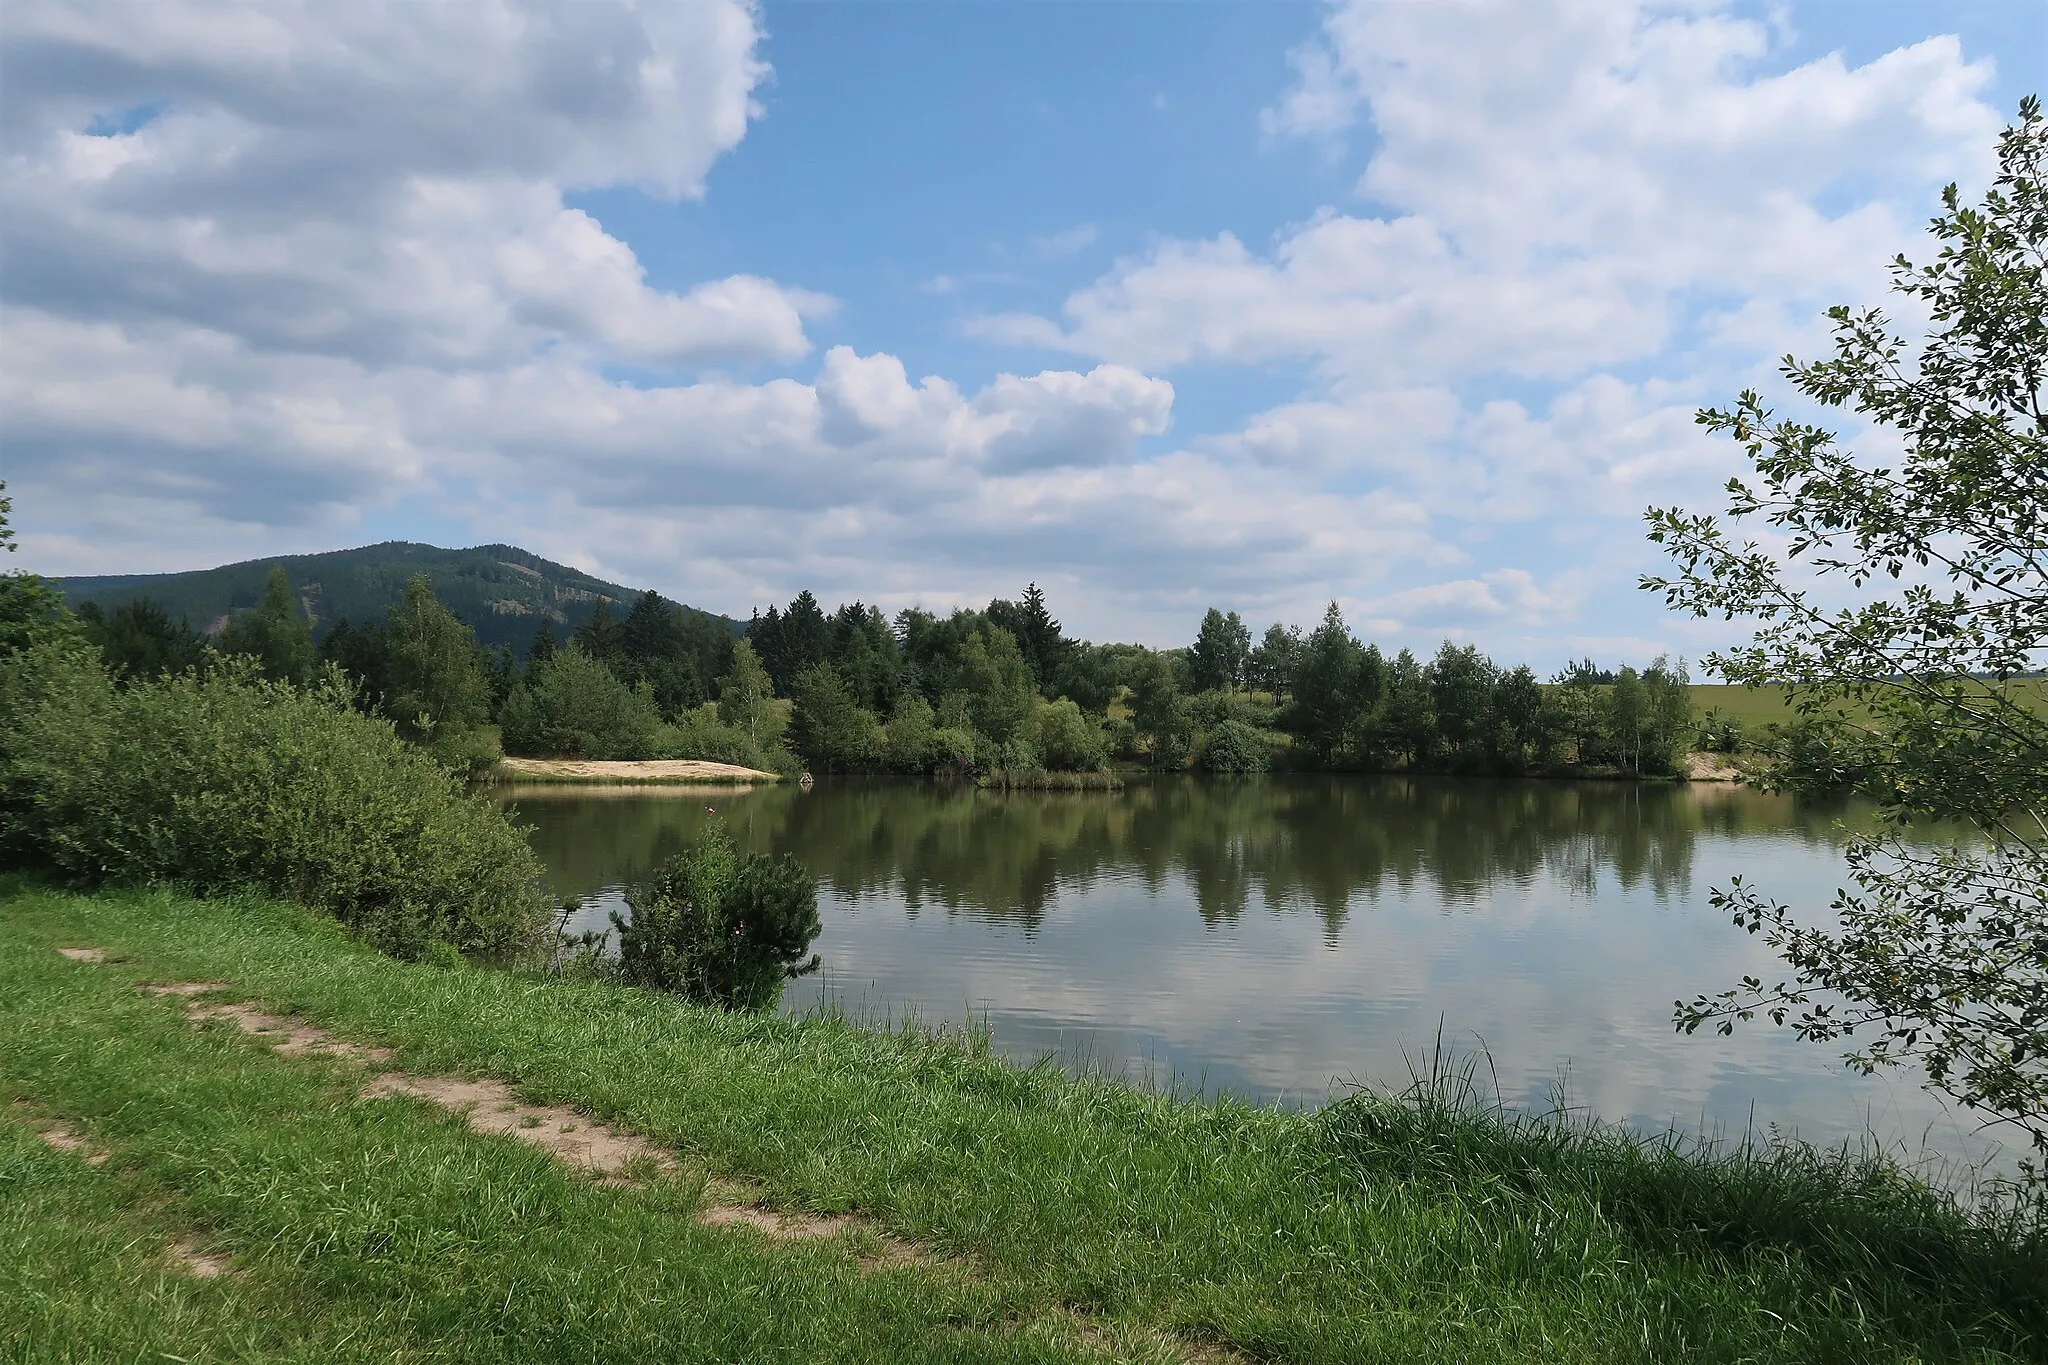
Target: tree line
<point>1003,689</point>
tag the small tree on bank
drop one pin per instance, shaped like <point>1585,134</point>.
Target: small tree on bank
<point>439,683</point>
<point>1222,648</point>
<point>745,695</point>
<point>574,707</point>
<point>720,927</point>
<point>1940,955</point>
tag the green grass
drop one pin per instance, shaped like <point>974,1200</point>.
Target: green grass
<point>1761,706</point>
<point>1375,1232</point>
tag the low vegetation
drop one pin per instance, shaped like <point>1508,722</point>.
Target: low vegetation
<point>720,927</point>
<point>1038,1217</point>
<point>222,779</point>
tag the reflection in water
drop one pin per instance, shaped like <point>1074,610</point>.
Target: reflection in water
<point>1274,937</point>
<point>1311,843</point>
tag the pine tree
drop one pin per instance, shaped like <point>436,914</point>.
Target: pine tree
<point>276,632</point>
<point>600,637</point>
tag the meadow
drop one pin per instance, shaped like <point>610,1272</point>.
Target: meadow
<point>984,1211</point>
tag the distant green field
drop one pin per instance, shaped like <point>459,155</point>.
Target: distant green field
<point>1755,706</point>
<point>1749,705</point>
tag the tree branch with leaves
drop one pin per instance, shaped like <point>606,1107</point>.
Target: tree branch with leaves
<point>1907,603</point>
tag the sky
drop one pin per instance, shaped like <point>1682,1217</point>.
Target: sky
<point>1161,304</point>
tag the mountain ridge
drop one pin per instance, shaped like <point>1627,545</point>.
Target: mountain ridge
<point>502,591</point>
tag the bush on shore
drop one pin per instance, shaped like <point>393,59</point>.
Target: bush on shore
<point>699,733</point>
<point>1233,747</point>
<point>721,927</point>
<point>228,780</point>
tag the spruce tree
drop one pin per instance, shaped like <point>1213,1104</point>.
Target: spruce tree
<point>276,632</point>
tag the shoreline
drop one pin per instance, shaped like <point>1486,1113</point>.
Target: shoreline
<point>624,772</point>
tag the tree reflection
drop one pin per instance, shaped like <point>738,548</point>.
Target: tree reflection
<point>1327,845</point>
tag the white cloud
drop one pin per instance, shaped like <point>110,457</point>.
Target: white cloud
<point>270,270</point>
<point>1500,595</point>
<point>1562,184</point>
<point>378,181</point>
<point>1581,220</point>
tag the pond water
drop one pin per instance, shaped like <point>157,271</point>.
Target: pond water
<point>1281,938</point>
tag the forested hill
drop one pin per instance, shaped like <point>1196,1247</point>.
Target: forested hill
<point>501,590</point>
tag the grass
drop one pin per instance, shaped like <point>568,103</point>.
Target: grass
<point>1760,706</point>
<point>1041,779</point>
<point>1430,1229</point>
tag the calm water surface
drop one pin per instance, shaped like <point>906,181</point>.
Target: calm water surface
<point>1278,937</point>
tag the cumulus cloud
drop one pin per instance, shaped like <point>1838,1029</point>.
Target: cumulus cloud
<point>379,181</point>
<point>271,269</point>
<point>1561,185</point>
<point>1578,220</point>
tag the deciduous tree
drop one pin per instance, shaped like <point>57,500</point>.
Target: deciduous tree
<point>1911,588</point>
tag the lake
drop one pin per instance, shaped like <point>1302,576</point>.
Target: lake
<point>1281,937</point>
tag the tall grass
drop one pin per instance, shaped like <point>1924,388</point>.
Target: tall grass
<point>1853,1215</point>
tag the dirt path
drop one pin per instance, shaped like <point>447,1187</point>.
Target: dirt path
<point>488,1105</point>
<point>616,1156</point>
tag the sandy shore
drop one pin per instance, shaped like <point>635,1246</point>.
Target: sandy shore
<point>663,770</point>
<point>1705,767</point>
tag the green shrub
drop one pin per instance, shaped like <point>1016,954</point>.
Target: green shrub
<point>1719,733</point>
<point>1067,739</point>
<point>1820,756</point>
<point>720,927</point>
<point>1207,710</point>
<point>698,733</point>
<point>276,632</point>
<point>907,739</point>
<point>952,748</point>
<point>229,780</point>
<point>575,707</point>
<point>1233,747</point>
<point>469,751</point>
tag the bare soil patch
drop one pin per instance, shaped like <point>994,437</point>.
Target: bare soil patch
<point>1706,767</point>
<point>190,1256</point>
<point>58,1135</point>
<point>64,1138</point>
<point>94,956</point>
<point>291,1038</point>
<point>488,1105</point>
<point>654,770</point>
<point>727,1205</point>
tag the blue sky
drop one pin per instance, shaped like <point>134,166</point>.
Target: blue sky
<point>1160,304</point>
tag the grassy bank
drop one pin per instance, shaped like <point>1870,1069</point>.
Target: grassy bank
<point>1040,780</point>
<point>1058,1219</point>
